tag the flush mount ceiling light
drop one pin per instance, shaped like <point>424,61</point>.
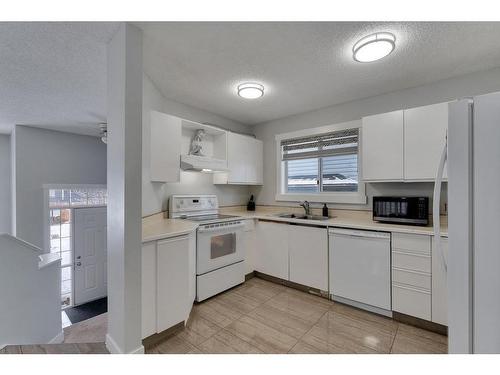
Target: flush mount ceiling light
<point>374,47</point>
<point>250,90</point>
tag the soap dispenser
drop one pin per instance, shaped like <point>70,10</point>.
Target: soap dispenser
<point>325,210</point>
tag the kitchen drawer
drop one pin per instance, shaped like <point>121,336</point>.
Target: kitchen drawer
<point>413,262</point>
<point>412,278</point>
<point>415,243</point>
<point>411,301</point>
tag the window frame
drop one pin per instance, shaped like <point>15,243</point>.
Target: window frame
<point>358,197</point>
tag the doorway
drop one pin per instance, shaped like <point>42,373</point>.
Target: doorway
<point>76,229</point>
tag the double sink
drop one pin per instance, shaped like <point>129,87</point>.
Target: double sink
<point>302,217</point>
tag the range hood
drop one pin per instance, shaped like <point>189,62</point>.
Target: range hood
<point>203,164</point>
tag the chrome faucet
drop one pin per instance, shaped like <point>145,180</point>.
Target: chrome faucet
<point>307,208</point>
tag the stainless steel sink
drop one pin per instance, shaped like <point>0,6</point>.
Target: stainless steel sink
<point>302,217</point>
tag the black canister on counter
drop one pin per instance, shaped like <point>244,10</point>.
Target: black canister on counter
<point>251,204</point>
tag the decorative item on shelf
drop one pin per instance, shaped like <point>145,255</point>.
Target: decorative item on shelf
<point>251,204</point>
<point>325,210</point>
<point>196,147</point>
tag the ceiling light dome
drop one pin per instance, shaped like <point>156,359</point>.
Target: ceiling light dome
<point>250,90</point>
<point>374,47</point>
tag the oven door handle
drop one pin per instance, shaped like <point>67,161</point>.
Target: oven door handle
<point>207,228</point>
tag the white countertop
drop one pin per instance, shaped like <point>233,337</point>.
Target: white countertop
<point>343,219</point>
<point>156,227</point>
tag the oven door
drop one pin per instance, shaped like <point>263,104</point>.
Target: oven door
<point>218,246</point>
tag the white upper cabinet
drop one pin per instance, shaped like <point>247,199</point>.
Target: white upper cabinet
<point>424,139</point>
<point>256,167</point>
<point>244,161</point>
<point>165,147</point>
<point>382,147</point>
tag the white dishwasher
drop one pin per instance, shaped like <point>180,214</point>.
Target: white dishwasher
<point>360,269</point>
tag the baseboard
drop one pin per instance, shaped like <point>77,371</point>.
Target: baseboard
<point>113,347</point>
<point>156,338</point>
<point>421,323</point>
<point>363,306</point>
<point>291,284</point>
<point>58,339</point>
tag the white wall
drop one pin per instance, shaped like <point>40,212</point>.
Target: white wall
<point>441,91</point>
<point>30,298</point>
<point>50,157</point>
<point>154,194</point>
<point>5,196</point>
<point>124,104</point>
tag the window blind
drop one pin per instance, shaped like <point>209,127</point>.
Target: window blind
<point>328,144</point>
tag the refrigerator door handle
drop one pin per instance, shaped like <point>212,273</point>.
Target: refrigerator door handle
<point>437,203</point>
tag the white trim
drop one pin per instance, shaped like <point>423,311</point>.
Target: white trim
<point>58,339</point>
<point>341,197</point>
<point>74,186</point>
<point>319,130</point>
<point>347,197</point>
<point>113,347</point>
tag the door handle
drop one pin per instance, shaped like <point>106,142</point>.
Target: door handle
<point>78,264</point>
<point>79,257</point>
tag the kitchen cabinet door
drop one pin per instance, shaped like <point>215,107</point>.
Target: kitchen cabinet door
<point>164,147</point>
<point>424,139</point>
<point>192,271</point>
<point>271,252</point>
<point>439,285</point>
<point>244,160</point>
<point>148,287</point>
<point>249,243</point>
<point>172,292</point>
<point>382,147</point>
<point>255,171</point>
<point>237,158</point>
<point>308,256</point>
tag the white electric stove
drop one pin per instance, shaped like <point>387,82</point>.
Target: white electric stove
<point>220,253</point>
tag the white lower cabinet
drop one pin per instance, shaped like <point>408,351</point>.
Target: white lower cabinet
<point>168,282</point>
<point>297,253</point>
<point>411,275</point>
<point>271,252</point>
<point>148,288</point>
<point>308,256</point>
<point>439,285</point>
<point>249,242</point>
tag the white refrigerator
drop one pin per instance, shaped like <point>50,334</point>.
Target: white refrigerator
<point>473,264</point>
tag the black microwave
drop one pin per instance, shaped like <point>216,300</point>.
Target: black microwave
<point>401,210</point>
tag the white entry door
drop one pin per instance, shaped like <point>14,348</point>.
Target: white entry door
<point>90,241</point>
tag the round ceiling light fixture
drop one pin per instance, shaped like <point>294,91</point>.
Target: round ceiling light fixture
<point>250,90</point>
<point>374,47</point>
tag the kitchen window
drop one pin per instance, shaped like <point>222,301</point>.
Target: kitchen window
<point>322,166</point>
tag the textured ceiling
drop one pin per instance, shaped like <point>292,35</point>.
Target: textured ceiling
<point>53,75</point>
<point>305,66</point>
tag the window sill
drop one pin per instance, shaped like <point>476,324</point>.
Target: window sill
<point>346,198</point>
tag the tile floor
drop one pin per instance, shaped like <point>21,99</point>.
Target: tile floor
<point>263,317</point>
